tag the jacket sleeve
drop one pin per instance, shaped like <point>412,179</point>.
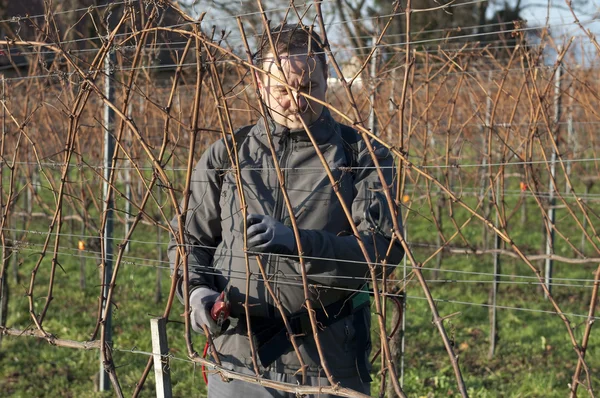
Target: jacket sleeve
<point>202,225</point>
<point>338,260</point>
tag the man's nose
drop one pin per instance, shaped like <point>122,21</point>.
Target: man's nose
<point>301,101</point>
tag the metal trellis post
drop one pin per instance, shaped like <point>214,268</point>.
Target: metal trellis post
<point>484,171</point>
<point>551,187</point>
<point>372,117</point>
<point>570,141</point>
<point>157,288</point>
<point>403,324</point>
<point>109,149</point>
<point>7,249</point>
<point>128,196</point>
<point>496,283</point>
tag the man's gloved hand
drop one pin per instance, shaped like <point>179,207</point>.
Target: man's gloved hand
<point>267,235</point>
<point>201,301</point>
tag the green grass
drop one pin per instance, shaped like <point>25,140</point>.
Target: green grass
<point>33,368</point>
<point>534,357</point>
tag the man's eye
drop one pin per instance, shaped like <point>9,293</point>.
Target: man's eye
<point>309,87</point>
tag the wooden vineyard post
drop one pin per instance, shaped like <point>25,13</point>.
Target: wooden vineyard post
<point>160,348</point>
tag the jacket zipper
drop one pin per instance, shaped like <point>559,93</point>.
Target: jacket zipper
<point>273,264</point>
<point>286,151</point>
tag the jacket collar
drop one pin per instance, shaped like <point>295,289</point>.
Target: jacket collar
<point>322,129</point>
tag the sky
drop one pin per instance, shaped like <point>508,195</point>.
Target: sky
<point>562,26</point>
<point>536,10</point>
<point>560,18</point>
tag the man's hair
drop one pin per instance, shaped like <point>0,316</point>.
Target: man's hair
<point>293,38</point>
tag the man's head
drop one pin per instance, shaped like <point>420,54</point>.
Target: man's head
<point>304,66</point>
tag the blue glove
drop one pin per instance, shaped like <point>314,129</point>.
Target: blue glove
<point>267,235</point>
<point>201,302</point>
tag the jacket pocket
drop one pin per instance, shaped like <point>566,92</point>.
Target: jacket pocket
<point>349,334</point>
<point>378,214</point>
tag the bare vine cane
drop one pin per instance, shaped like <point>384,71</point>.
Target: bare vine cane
<point>578,200</point>
<point>8,248</point>
<point>71,139</point>
<point>496,183</point>
<point>118,260</point>
<point>149,195</point>
<point>489,148</point>
<point>116,152</point>
<point>528,259</point>
<point>587,32</point>
<point>21,128</point>
<point>448,154</point>
<point>411,130</point>
<point>380,306</point>
<point>408,66</point>
<point>506,148</point>
<point>182,215</point>
<point>172,290</point>
<point>499,193</point>
<point>541,110</point>
<point>384,336</point>
<point>359,241</point>
<point>234,160</point>
<point>308,303</point>
<point>276,300</point>
<point>14,166</point>
<point>156,163</point>
<point>259,260</point>
<point>4,212</point>
<point>56,220</point>
<point>438,321</point>
<point>453,197</point>
<point>149,192</point>
<point>589,324</point>
<point>165,180</point>
<point>581,350</point>
<point>447,192</point>
<point>586,337</point>
<point>336,190</point>
<point>337,389</point>
<point>442,241</point>
<point>446,242</point>
<point>355,231</point>
<point>296,389</point>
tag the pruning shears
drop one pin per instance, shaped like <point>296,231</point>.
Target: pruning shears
<point>221,308</point>
<point>219,313</point>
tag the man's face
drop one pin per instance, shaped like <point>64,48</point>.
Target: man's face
<point>305,74</point>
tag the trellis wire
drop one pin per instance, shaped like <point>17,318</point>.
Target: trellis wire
<point>575,203</point>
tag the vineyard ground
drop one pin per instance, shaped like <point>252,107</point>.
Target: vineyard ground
<point>534,357</point>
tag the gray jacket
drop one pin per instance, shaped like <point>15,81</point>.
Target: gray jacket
<point>335,264</point>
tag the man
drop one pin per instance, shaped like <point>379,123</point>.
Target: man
<point>335,264</point>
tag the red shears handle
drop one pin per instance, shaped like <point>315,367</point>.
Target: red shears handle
<point>220,309</point>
